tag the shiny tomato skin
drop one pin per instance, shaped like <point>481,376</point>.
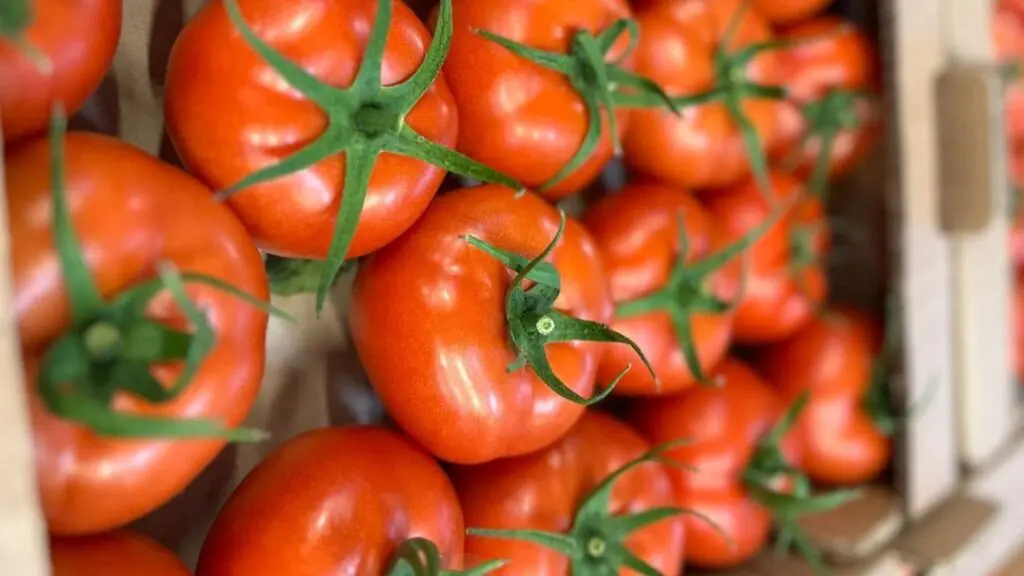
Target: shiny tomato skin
<point>536,121</point>
<point>703,147</point>
<point>79,38</point>
<point>130,211</point>
<point>833,358</point>
<point>541,491</point>
<point>725,424</point>
<point>636,231</point>
<point>230,115</point>
<point>334,500</point>
<point>441,302</point>
<point>119,553</point>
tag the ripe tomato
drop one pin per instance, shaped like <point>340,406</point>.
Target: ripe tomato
<point>441,302</point>
<point>833,357</point>
<point>788,11</point>
<point>547,491</point>
<point>1008,40</point>
<point>334,499</point>
<point>726,424</point>
<point>786,280</point>
<point>638,234</point>
<point>684,49</point>
<point>130,212</point>
<point>536,117</point>
<point>78,39</point>
<point>113,554</point>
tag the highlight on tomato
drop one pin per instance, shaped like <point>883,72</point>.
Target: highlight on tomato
<point>119,553</point>
<point>741,469</point>
<point>675,280</point>
<point>552,81</point>
<point>359,498</point>
<point>52,51</point>
<point>598,501</point>
<point>480,345</point>
<point>328,142</point>
<point>786,282</point>
<point>718,60</point>
<point>140,310</point>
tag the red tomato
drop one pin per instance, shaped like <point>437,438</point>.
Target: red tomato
<point>113,554</point>
<point>1008,38</point>
<point>130,212</point>
<point>544,491</point>
<point>441,302</point>
<point>833,357</point>
<point>726,424</point>
<point>637,232</point>
<point>334,499</point>
<point>78,39</point>
<point>535,118</point>
<point>230,114</point>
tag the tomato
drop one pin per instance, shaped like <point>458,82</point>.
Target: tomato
<point>833,357</point>
<point>334,499</point>
<point>130,212</point>
<point>113,554</point>
<point>785,281</point>
<point>547,491</point>
<point>440,301</point>
<point>684,49</point>
<point>638,234</point>
<point>727,425</point>
<point>1008,40</point>
<point>77,39</point>
<point>536,117</point>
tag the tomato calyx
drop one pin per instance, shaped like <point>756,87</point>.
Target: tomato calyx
<point>598,83</point>
<point>363,121</point>
<point>420,557</point>
<point>595,544</point>
<point>533,322</point>
<point>291,276</point>
<point>15,18</point>
<point>827,117</point>
<point>112,345</point>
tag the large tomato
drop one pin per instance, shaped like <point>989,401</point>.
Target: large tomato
<point>430,323</point>
<point>683,48</point>
<point>77,41</point>
<point>113,554</point>
<point>833,357</point>
<point>558,490</point>
<point>536,117</point>
<point>335,500</point>
<point>130,213</point>
<point>638,233</point>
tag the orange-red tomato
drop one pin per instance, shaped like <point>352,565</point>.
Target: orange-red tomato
<point>229,114</point>
<point>441,302</point>
<point>78,39</point>
<point>542,491</point>
<point>535,119</point>
<point>334,500</point>
<point>113,554</point>
<point>725,423</point>
<point>637,233</point>
<point>703,147</point>
<point>833,358</point>
<point>130,212</point>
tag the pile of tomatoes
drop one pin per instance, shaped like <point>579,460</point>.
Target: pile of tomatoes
<point>1008,39</point>
<point>652,381</point>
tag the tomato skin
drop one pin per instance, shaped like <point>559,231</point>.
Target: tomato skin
<point>636,231</point>
<point>536,121</point>
<point>119,553</point>
<point>702,148</point>
<point>541,491</point>
<point>229,114</point>
<point>334,499</point>
<point>725,423</point>
<point>80,39</point>
<point>117,192</point>
<point>833,358</point>
<point>441,302</point>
